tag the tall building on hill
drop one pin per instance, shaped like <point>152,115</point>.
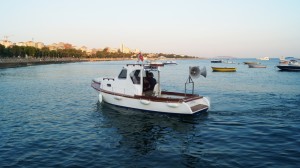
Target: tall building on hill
<point>124,49</point>
<point>136,51</point>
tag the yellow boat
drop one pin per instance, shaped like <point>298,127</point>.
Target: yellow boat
<point>223,69</point>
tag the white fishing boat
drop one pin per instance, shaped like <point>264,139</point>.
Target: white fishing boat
<point>170,62</point>
<point>132,89</point>
<point>264,58</point>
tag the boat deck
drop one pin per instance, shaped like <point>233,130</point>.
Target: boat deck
<point>171,97</point>
<point>163,97</point>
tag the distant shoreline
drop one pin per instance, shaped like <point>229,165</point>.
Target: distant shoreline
<point>23,62</point>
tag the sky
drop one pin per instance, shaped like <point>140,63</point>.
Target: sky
<point>203,28</point>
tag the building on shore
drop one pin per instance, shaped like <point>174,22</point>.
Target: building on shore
<point>20,44</point>
<point>6,43</point>
<point>62,45</point>
<point>39,45</point>
<point>124,49</point>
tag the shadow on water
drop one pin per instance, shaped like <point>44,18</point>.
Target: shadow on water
<point>143,131</point>
<point>115,112</point>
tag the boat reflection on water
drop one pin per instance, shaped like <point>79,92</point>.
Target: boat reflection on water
<point>144,133</point>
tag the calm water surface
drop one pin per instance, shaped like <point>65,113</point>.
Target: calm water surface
<point>50,117</point>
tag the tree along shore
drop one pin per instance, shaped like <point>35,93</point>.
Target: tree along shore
<point>45,52</point>
<point>17,56</point>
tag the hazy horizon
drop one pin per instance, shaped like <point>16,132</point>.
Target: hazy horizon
<point>204,28</point>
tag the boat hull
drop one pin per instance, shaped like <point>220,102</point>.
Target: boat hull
<point>216,61</point>
<point>288,68</point>
<point>185,105</point>
<point>144,104</point>
<point>223,69</point>
<point>246,63</point>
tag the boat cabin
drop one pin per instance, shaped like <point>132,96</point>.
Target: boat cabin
<point>133,79</point>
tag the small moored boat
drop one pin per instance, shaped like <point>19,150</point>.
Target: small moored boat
<point>247,62</point>
<point>171,62</point>
<point>223,69</point>
<point>292,65</point>
<point>216,61</point>
<point>256,66</point>
<point>264,58</point>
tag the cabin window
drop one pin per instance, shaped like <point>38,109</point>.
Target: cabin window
<point>135,77</point>
<point>123,74</point>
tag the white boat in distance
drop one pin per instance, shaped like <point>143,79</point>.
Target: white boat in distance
<point>264,58</point>
<point>292,65</point>
<point>128,90</point>
<point>171,62</point>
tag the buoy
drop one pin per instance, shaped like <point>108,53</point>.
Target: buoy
<point>117,97</point>
<point>100,98</point>
<point>173,105</point>
<point>145,102</point>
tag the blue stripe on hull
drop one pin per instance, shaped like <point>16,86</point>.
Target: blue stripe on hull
<point>149,111</point>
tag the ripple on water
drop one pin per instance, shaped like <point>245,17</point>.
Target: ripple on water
<point>50,118</point>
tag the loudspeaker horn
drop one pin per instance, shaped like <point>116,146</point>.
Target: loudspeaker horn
<point>194,72</point>
<point>203,72</point>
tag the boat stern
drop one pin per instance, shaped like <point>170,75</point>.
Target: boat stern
<point>198,105</point>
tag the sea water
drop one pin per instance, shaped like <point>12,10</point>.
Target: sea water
<point>50,117</point>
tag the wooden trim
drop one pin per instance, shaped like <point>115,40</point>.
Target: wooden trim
<point>114,93</point>
<point>96,81</point>
<point>198,107</point>
<point>179,94</point>
<point>159,99</point>
<point>153,98</point>
<point>96,86</point>
<point>188,99</point>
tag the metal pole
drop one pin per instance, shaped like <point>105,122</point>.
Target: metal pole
<point>158,83</point>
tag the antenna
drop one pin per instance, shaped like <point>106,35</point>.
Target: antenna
<point>6,37</point>
<point>194,73</point>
